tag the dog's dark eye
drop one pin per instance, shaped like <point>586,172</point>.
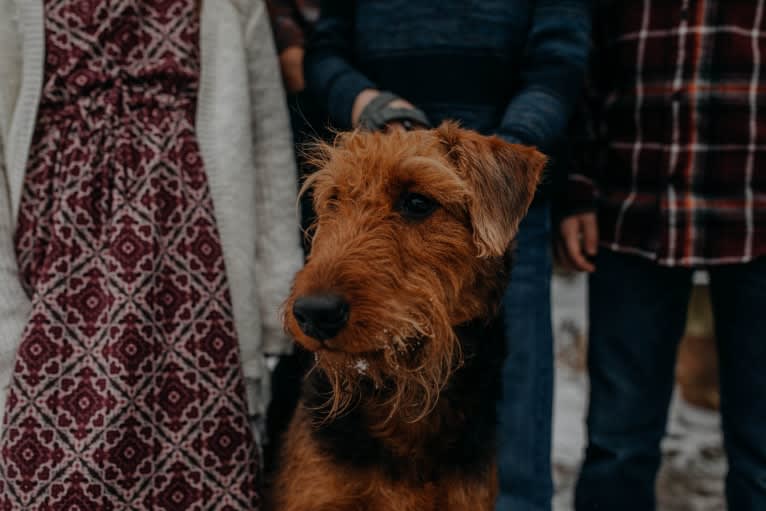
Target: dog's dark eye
<point>330,203</point>
<point>414,206</point>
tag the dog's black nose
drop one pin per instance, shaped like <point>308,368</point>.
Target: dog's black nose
<point>321,316</point>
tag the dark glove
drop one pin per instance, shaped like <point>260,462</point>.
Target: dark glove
<point>377,115</point>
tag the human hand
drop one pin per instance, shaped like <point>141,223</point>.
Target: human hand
<point>577,242</point>
<point>291,62</point>
<point>367,95</point>
<point>360,103</point>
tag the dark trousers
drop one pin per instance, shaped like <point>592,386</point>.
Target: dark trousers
<point>637,317</point>
<point>525,411</point>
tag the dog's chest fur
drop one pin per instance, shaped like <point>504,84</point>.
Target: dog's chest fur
<point>456,438</point>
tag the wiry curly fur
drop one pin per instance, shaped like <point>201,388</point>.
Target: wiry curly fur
<point>410,284</point>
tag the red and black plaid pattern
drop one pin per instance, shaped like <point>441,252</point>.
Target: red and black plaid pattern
<point>127,391</point>
<point>679,100</point>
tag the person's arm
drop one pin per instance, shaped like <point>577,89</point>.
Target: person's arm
<point>14,303</point>
<point>290,40</point>
<point>278,249</point>
<point>328,64</point>
<point>553,70</point>
<point>288,32</point>
<point>574,198</point>
<point>586,137</point>
<point>577,237</point>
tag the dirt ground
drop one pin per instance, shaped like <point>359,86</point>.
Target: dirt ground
<point>691,478</point>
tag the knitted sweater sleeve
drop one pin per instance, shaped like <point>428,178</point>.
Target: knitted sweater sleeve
<point>330,73</point>
<point>553,71</point>
<point>278,252</point>
<point>14,303</point>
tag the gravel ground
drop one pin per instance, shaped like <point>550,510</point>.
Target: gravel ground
<point>691,478</point>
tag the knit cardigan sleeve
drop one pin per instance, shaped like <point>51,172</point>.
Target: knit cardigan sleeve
<point>14,303</point>
<point>278,252</point>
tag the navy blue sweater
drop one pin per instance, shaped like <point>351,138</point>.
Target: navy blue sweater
<point>508,67</point>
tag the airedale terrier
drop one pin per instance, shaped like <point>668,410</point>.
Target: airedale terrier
<point>399,302</point>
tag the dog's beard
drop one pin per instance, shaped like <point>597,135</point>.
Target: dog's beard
<point>405,373</point>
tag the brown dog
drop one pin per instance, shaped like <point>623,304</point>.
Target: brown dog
<point>399,302</point>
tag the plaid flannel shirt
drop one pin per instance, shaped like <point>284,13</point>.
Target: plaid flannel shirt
<point>291,20</point>
<point>677,167</point>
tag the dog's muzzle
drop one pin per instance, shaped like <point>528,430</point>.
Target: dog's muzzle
<point>321,317</point>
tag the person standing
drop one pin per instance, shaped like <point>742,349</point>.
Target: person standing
<point>147,239</point>
<point>511,68</point>
<point>676,181</point>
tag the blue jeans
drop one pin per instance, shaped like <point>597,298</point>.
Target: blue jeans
<point>637,317</point>
<point>525,410</point>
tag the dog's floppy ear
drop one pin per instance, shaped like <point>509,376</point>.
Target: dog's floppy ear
<point>501,178</point>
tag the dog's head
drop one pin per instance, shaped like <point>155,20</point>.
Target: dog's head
<point>412,238</point>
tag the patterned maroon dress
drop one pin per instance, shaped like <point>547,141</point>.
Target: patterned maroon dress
<point>127,391</point>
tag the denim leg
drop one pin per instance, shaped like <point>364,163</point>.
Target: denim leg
<point>637,317</point>
<point>739,304</point>
<point>525,410</point>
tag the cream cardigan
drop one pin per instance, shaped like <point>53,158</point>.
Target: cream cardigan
<point>244,136</point>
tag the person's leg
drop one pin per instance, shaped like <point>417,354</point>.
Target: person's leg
<point>525,410</point>
<point>637,317</point>
<point>739,306</point>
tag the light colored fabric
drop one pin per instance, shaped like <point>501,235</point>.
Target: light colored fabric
<point>10,66</point>
<point>243,131</point>
<point>30,32</point>
<point>14,304</point>
<point>251,171</point>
